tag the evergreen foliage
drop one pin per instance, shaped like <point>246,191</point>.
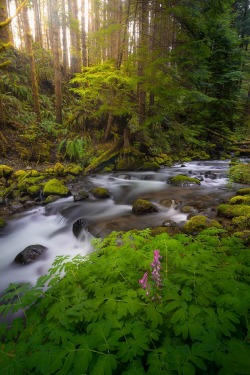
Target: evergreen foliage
<point>95,318</point>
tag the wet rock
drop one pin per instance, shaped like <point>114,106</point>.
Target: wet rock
<point>142,206</point>
<point>55,187</point>
<point>30,254</point>
<point>169,223</point>
<point>100,193</point>
<point>124,176</point>
<point>183,180</point>
<point>211,175</point>
<point>188,210</point>
<point>78,226</point>
<point>167,202</point>
<point>80,196</point>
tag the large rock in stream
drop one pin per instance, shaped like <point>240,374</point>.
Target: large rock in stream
<point>30,254</point>
<point>142,206</point>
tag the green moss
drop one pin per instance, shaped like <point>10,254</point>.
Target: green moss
<point>32,173</point>
<point>182,180</point>
<point>142,206</point>
<point>242,222</point>
<point>24,183</point>
<point>52,198</point>
<point>2,222</point>
<point>55,187</point>
<point>240,173</point>
<point>230,211</point>
<point>59,169</point>
<point>5,171</point>
<point>240,199</point>
<point>19,174</point>
<point>34,190</point>
<point>244,191</point>
<point>199,223</point>
<point>128,163</point>
<point>150,166</point>
<point>100,192</point>
<point>74,169</point>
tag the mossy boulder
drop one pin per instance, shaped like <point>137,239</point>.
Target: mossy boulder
<point>243,191</point>
<point>52,198</point>
<point>5,170</point>
<point>183,180</point>
<point>198,223</point>
<point>240,199</point>
<point>242,222</point>
<point>34,191</point>
<point>55,187</point>
<point>80,196</point>
<point>74,169</point>
<point>142,206</point>
<point>240,173</point>
<point>230,211</point>
<point>33,173</point>
<point>150,166</point>
<point>101,193</point>
<point>2,222</point>
<point>128,164</point>
<point>19,174</point>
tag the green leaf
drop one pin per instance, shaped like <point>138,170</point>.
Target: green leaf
<point>105,365</point>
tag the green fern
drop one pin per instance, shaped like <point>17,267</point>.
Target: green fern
<point>97,318</point>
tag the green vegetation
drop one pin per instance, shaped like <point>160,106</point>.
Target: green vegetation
<point>240,173</point>
<point>189,318</point>
<point>55,187</point>
<point>198,223</point>
<point>99,192</point>
<point>182,180</point>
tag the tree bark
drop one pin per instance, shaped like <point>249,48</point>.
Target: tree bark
<point>29,48</point>
<point>55,28</point>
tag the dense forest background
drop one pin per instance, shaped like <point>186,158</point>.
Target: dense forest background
<point>95,80</point>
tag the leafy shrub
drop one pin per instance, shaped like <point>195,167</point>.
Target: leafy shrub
<point>190,317</point>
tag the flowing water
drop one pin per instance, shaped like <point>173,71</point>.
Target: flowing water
<point>51,225</point>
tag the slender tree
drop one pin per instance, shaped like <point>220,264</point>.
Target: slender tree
<point>29,48</point>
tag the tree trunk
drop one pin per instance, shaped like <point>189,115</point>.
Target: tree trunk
<point>84,37</point>
<point>55,28</point>
<point>64,41</point>
<point>37,19</point>
<point>29,48</point>
<point>75,50</point>
<point>4,31</point>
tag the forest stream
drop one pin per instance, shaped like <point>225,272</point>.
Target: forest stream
<point>51,225</point>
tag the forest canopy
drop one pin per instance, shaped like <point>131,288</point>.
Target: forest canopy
<point>125,72</point>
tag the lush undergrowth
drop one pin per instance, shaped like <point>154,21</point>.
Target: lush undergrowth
<point>129,309</point>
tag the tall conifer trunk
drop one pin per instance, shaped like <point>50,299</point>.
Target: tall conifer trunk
<point>29,48</point>
<point>55,29</point>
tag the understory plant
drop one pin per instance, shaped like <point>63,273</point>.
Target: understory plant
<point>136,305</point>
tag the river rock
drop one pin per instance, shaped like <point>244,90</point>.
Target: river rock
<point>100,193</point>
<point>142,206</point>
<point>30,254</point>
<point>55,187</point>
<point>78,226</point>
<point>211,175</point>
<point>183,180</point>
<point>80,196</point>
<point>169,223</point>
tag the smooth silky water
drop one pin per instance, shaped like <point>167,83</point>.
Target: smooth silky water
<point>51,225</point>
